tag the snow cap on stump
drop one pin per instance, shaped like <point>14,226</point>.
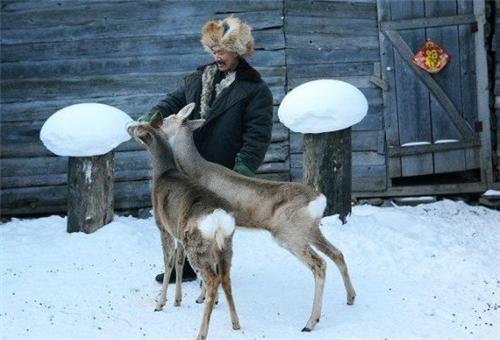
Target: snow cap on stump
<point>323,105</point>
<point>83,130</point>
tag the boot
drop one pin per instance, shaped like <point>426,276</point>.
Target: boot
<point>188,274</point>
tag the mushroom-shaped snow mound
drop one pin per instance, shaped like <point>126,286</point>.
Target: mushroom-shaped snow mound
<point>82,130</point>
<point>322,106</point>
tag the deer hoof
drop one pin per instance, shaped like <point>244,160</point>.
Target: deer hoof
<point>306,329</point>
<point>236,326</point>
<point>200,300</point>
<point>177,303</point>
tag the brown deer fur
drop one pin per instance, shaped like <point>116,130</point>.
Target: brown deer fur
<point>192,217</point>
<point>291,212</point>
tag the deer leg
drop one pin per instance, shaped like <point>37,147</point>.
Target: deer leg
<point>203,293</point>
<point>179,266</point>
<point>318,267</point>
<point>226,285</point>
<point>168,245</point>
<point>338,258</point>
<point>211,281</point>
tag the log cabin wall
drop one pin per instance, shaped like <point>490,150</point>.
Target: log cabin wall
<point>339,39</point>
<point>129,54</point>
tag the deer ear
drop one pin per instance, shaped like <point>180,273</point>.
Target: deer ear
<point>195,123</point>
<point>156,120</point>
<point>186,111</point>
<point>143,136</point>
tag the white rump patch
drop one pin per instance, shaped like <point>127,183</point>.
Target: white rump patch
<point>317,207</point>
<point>217,226</point>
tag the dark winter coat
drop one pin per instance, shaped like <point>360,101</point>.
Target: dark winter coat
<point>239,122</point>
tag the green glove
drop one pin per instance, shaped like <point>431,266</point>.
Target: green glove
<point>242,169</point>
<point>146,117</point>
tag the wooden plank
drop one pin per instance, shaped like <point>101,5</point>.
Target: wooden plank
<point>483,94</point>
<point>447,79</point>
<point>333,69</point>
<point>332,25</point>
<point>435,20</point>
<point>92,87</point>
<point>81,19</point>
<point>329,41</point>
<point>337,9</point>
<point>468,78</point>
<point>140,46</point>
<point>390,115</point>
<point>398,151</point>
<point>323,56</point>
<point>419,190</point>
<point>413,106</point>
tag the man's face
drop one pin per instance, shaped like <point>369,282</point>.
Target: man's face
<point>226,61</point>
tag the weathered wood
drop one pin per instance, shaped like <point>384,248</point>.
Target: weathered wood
<point>90,192</point>
<point>398,151</point>
<point>427,22</point>
<point>413,110</point>
<point>447,79</point>
<point>483,95</point>
<point>337,9</point>
<point>389,97</point>
<point>419,190</point>
<point>327,168</point>
<point>452,112</point>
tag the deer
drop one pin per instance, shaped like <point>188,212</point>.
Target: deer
<point>290,211</point>
<point>191,220</point>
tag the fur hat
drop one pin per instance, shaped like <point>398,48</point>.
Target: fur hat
<point>231,34</point>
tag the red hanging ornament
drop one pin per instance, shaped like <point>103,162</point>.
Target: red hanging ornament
<point>431,57</point>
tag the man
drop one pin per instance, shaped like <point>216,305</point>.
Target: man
<point>230,94</point>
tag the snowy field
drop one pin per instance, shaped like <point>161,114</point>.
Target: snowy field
<point>426,272</point>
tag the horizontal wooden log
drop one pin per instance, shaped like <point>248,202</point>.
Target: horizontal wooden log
<point>398,151</point>
<point>326,56</point>
<point>329,41</point>
<point>16,144</point>
<point>419,190</point>
<point>329,70</point>
<point>274,167</point>
<point>357,81</point>
<point>428,22</point>
<point>333,9</point>
<point>367,158</point>
<point>335,26</point>
<point>134,47</point>
<point>362,140</point>
<point>80,19</point>
<point>107,86</point>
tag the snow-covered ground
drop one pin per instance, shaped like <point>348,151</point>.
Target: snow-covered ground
<point>425,272</point>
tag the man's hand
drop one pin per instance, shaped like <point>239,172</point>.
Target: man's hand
<point>242,169</point>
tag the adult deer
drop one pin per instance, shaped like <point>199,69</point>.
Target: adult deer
<point>291,212</point>
<point>196,219</point>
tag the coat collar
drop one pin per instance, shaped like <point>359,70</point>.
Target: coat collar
<point>244,71</point>
<point>235,92</point>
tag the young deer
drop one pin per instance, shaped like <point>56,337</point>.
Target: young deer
<point>291,212</point>
<point>193,217</point>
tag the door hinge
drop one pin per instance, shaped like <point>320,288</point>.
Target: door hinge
<point>474,27</point>
<point>478,126</point>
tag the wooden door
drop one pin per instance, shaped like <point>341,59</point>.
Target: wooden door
<point>431,120</point>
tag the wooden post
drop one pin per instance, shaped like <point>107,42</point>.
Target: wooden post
<point>328,169</point>
<point>90,192</point>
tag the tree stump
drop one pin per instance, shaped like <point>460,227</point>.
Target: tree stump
<point>328,169</point>
<point>90,192</point>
